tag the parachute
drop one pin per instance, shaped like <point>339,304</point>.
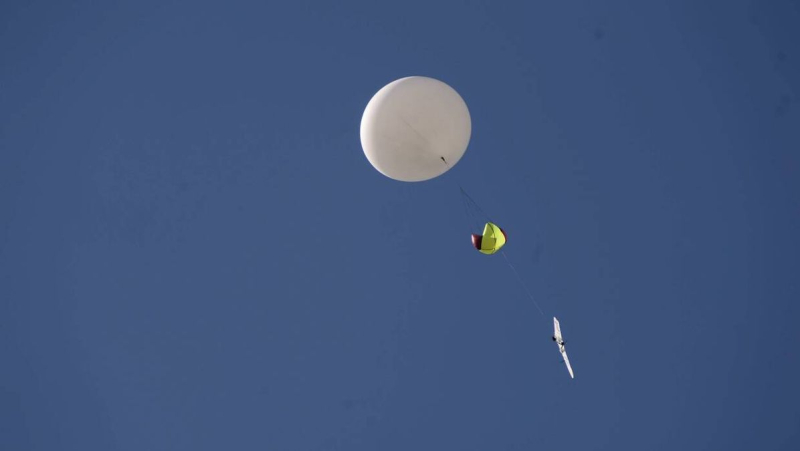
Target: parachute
<point>415,129</point>
<point>491,241</point>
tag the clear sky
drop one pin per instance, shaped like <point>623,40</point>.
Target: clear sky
<point>196,255</point>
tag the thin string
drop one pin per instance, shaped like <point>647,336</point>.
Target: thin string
<point>522,283</point>
<point>469,200</point>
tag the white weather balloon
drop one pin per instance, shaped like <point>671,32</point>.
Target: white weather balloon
<point>415,129</point>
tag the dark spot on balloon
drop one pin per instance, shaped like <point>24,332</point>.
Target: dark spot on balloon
<point>781,56</point>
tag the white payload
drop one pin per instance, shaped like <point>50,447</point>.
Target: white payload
<point>560,341</point>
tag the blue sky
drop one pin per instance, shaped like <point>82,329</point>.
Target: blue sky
<point>195,253</point>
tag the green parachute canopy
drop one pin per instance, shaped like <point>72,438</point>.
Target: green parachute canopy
<point>491,241</point>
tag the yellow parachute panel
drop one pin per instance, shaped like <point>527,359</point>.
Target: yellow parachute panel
<point>491,241</point>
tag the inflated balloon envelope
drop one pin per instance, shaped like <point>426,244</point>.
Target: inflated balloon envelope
<point>415,129</point>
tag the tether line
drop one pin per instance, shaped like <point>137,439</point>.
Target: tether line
<point>522,283</point>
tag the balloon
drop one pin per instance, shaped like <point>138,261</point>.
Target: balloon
<point>415,129</point>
